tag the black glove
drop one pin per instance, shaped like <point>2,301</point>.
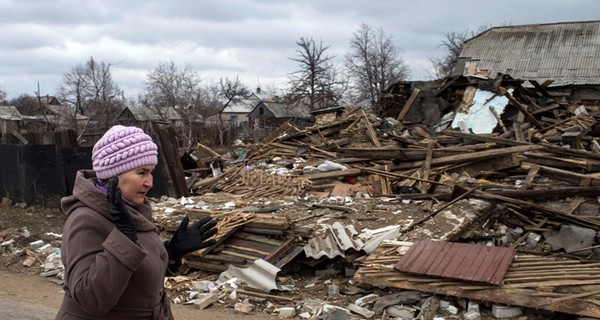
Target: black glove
<point>186,240</point>
<point>121,217</point>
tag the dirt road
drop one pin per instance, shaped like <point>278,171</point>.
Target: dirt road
<point>31,297</point>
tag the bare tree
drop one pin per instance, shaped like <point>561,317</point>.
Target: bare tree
<point>2,96</point>
<point>452,44</point>
<point>315,80</point>
<point>373,64</point>
<point>26,104</point>
<point>90,90</point>
<point>170,85</point>
<point>232,88</point>
<point>229,90</point>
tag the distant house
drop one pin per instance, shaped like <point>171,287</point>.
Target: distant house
<point>143,117</point>
<point>64,117</point>
<point>567,54</point>
<point>270,115</point>
<point>10,121</point>
<point>235,113</point>
<point>49,100</point>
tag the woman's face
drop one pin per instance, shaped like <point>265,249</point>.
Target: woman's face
<point>134,184</point>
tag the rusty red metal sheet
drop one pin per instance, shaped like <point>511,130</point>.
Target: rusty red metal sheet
<point>457,261</point>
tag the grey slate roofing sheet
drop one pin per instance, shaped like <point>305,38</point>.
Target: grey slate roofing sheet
<point>568,53</point>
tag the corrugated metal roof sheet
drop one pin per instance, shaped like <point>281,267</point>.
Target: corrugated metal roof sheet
<point>568,53</point>
<point>457,261</point>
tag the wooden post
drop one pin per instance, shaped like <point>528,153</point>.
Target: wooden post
<point>408,104</point>
<point>62,140</point>
<point>169,163</point>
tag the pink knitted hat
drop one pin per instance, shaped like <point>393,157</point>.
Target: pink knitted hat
<point>122,149</point>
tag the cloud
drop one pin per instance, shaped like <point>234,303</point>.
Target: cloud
<point>251,39</point>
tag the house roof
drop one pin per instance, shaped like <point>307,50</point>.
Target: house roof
<point>151,114</point>
<point>260,96</point>
<point>282,110</point>
<point>10,113</point>
<point>568,52</point>
<point>45,100</point>
<point>240,106</point>
<point>61,110</point>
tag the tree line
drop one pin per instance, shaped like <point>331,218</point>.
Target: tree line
<point>373,63</point>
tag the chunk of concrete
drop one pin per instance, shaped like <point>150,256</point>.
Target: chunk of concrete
<point>572,238</point>
<point>364,312</point>
<point>506,311</point>
<point>287,312</point>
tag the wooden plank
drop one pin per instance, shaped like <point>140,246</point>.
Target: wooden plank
<point>519,136</point>
<point>547,297</point>
<point>531,174</point>
<point>562,162</point>
<point>539,88</point>
<point>250,245</point>
<point>370,130</point>
<point>582,180</point>
<point>289,257</point>
<point>477,168</point>
<point>207,266</point>
<point>522,108</point>
<point>408,104</point>
<point>281,250</point>
<point>546,147</point>
<point>479,155</point>
<point>497,116</point>
<point>169,163</point>
<point>581,220</point>
<point>427,167</point>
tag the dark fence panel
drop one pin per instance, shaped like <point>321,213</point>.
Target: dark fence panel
<point>39,173</point>
<point>75,159</point>
<point>9,171</point>
<point>28,173</point>
<point>31,173</point>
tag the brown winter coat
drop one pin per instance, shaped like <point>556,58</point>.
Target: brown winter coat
<point>107,276</point>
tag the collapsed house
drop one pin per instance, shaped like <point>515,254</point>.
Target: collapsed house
<point>495,202</point>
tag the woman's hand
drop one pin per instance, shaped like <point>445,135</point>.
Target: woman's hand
<point>120,214</point>
<point>186,240</point>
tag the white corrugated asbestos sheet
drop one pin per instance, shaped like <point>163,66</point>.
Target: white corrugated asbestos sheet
<point>568,53</point>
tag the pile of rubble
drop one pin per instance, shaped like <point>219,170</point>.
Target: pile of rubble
<point>483,205</point>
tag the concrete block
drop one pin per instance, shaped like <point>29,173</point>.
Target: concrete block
<point>36,244</point>
<point>506,311</point>
<point>364,312</point>
<point>472,315</point>
<point>243,307</point>
<point>472,306</point>
<point>401,312</point>
<point>366,300</point>
<point>287,312</point>
<point>205,300</point>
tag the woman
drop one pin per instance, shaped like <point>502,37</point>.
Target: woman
<point>115,262</point>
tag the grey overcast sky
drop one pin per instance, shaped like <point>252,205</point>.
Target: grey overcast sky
<point>253,39</point>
